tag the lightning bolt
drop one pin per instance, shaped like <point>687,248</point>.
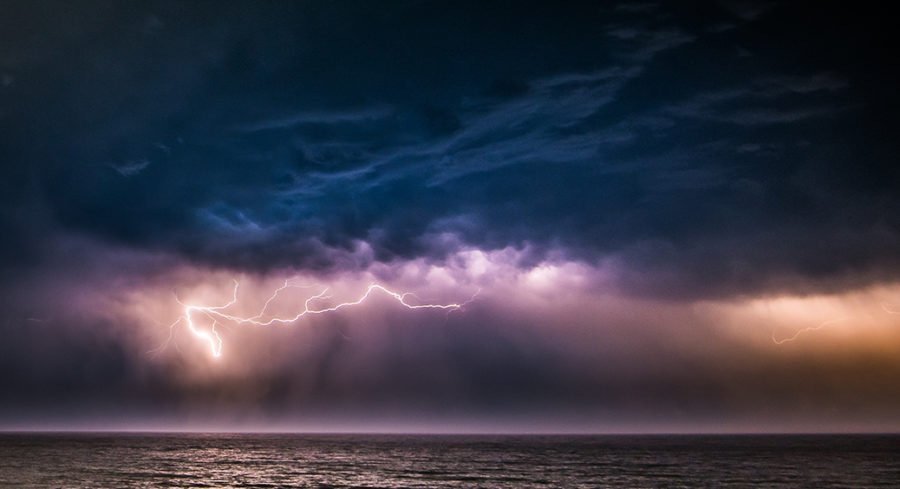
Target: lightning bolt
<point>806,330</point>
<point>884,306</point>
<point>214,314</point>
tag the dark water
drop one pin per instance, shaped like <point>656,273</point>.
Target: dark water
<point>240,460</point>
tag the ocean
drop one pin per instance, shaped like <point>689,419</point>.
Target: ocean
<point>92,460</point>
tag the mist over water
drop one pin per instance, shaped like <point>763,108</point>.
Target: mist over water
<point>269,460</point>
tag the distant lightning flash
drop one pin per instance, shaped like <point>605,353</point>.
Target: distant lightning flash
<point>805,330</point>
<point>211,336</point>
<point>888,308</point>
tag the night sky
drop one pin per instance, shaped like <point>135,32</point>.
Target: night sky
<point>654,217</point>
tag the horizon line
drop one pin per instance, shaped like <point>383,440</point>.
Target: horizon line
<point>51,431</point>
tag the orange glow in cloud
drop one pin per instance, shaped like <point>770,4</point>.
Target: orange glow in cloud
<point>557,297</point>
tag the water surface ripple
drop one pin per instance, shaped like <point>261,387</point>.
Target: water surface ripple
<point>265,460</point>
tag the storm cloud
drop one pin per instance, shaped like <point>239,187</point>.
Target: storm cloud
<point>646,157</point>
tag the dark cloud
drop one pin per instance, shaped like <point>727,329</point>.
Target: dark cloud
<point>304,128</point>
